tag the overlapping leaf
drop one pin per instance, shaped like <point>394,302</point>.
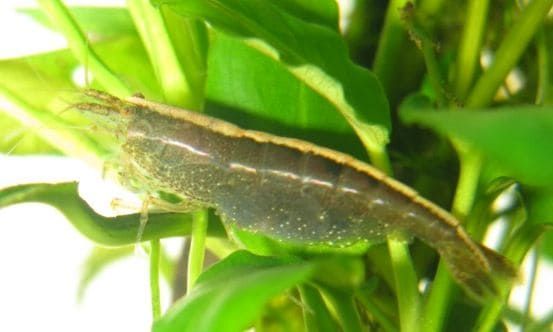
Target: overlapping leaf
<point>315,54</point>
<point>230,295</point>
<point>517,138</point>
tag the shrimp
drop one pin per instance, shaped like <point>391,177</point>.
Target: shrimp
<point>286,189</point>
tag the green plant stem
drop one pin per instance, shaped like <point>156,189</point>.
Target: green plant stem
<point>117,231</point>
<point>440,297</point>
<point>379,315</point>
<point>391,40</point>
<point>469,49</point>
<point>178,87</point>
<point>154,278</point>
<point>197,248</point>
<point>61,18</point>
<point>379,158</point>
<point>544,95</point>
<point>432,66</point>
<point>406,285</point>
<point>316,316</point>
<point>467,184</point>
<point>509,52</point>
<point>345,309</point>
<point>405,278</point>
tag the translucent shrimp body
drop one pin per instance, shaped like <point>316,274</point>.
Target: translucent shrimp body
<point>287,189</point>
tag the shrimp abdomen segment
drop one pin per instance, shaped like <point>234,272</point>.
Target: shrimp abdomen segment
<point>301,197</point>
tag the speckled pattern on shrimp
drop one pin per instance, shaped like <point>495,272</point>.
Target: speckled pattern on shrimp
<point>287,189</point>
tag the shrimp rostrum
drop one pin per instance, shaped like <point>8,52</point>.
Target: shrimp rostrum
<point>287,189</point>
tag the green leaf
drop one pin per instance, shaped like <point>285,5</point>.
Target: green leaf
<point>50,128</point>
<point>115,21</point>
<point>117,231</point>
<point>38,81</point>
<point>261,86</point>
<point>231,294</point>
<point>176,49</point>
<point>41,85</point>
<point>352,90</point>
<point>264,95</point>
<point>323,12</point>
<point>127,57</point>
<point>516,138</point>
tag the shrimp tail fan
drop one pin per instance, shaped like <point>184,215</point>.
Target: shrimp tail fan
<point>481,271</point>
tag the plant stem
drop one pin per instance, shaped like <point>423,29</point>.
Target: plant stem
<point>178,87</point>
<point>316,316</point>
<point>391,41</point>
<point>509,52</point>
<point>379,158</point>
<point>197,248</point>
<point>61,18</point>
<point>544,95</point>
<point>405,278</point>
<point>469,49</point>
<point>346,311</point>
<point>406,285</point>
<point>154,278</point>
<point>381,317</point>
<point>432,66</point>
<point>467,184</point>
<point>439,300</point>
<point>438,303</point>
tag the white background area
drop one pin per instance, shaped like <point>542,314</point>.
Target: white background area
<point>41,254</point>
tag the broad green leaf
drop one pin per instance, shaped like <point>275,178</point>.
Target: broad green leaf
<point>114,22</point>
<point>176,47</point>
<point>315,54</point>
<point>38,81</point>
<point>127,57</point>
<point>51,128</point>
<point>257,84</point>
<point>262,94</point>
<point>324,12</point>
<point>231,294</point>
<point>115,231</point>
<point>517,138</point>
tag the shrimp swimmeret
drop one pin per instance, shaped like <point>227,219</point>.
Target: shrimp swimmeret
<point>286,189</point>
